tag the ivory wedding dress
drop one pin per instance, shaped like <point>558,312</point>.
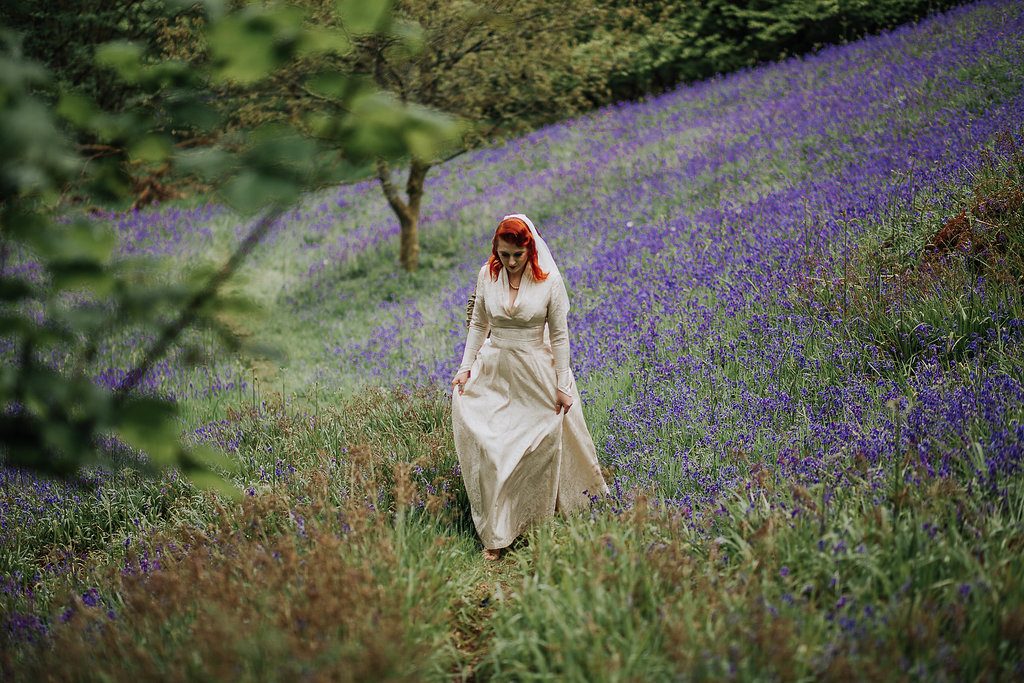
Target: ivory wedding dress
<point>520,460</point>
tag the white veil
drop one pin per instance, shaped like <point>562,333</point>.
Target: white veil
<point>544,258</point>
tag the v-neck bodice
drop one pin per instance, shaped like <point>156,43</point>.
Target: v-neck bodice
<point>539,302</point>
<point>530,308</point>
<point>509,292</point>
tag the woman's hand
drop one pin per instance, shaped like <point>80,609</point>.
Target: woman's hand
<point>563,401</point>
<point>460,380</point>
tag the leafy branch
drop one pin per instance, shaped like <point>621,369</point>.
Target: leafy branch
<point>62,288</point>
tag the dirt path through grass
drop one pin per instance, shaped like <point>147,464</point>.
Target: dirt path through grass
<point>470,618</point>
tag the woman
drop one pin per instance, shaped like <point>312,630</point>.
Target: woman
<point>522,442</point>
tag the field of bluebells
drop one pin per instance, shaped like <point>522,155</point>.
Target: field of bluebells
<point>797,324</point>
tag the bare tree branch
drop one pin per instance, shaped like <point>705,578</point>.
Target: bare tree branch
<point>390,192</point>
<point>191,310</point>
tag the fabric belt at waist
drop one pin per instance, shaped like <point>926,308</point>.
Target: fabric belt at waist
<point>517,337</point>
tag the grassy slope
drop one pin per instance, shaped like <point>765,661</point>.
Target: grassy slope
<point>871,570</point>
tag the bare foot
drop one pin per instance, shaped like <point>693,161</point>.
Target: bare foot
<point>492,555</point>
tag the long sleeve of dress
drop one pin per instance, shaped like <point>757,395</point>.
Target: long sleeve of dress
<point>479,324</point>
<point>558,327</point>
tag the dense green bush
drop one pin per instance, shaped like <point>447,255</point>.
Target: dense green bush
<point>64,37</point>
<point>628,49</point>
<point>653,45</point>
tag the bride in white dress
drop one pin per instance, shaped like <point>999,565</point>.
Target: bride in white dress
<point>523,445</point>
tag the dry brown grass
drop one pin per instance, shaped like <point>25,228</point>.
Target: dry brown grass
<point>251,599</point>
<point>336,573</point>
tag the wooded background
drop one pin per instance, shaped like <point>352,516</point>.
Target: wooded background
<point>504,66</point>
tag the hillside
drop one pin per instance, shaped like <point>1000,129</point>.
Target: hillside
<point>796,325</point>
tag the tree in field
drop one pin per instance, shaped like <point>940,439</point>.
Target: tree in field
<point>62,290</point>
<point>502,66</point>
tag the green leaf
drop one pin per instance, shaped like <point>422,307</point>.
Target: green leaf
<point>241,53</point>
<point>66,440</point>
<point>208,163</point>
<point>79,275</point>
<point>151,425</point>
<point>374,127</point>
<point>151,148</point>
<point>411,35</point>
<point>324,40</point>
<point>206,467</point>
<point>47,335</point>
<point>146,302</point>
<point>427,133</point>
<point>236,303</point>
<point>25,446</point>
<point>209,458</point>
<point>380,126</point>
<point>193,355</point>
<point>14,288</point>
<point>247,45</point>
<point>421,143</point>
<point>17,74</point>
<point>208,481</point>
<point>348,171</point>
<point>214,8</point>
<point>16,325</point>
<point>82,240</point>
<point>252,190</point>
<point>22,224</point>
<point>363,16</point>
<point>255,349</point>
<point>170,74</point>
<point>280,147</point>
<point>86,320</point>
<point>323,125</point>
<point>123,57</point>
<point>37,155</point>
<point>77,108</point>
<point>115,128</point>
<point>8,380</point>
<point>331,84</point>
<point>190,112</point>
<point>44,387</point>
<point>110,182</point>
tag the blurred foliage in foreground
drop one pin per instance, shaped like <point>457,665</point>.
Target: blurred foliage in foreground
<point>62,291</point>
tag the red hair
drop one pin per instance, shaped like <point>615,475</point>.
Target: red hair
<point>515,231</point>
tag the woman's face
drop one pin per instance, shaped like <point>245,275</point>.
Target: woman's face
<point>511,256</point>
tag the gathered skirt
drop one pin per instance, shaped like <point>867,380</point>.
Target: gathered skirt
<point>520,460</point>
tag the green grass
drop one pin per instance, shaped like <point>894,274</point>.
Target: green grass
<point>882,574</point>
<point>913,296</point>
<point>918,576</point>
<point>352,554</point>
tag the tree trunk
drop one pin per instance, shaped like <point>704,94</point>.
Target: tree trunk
<point>409,245</point>
<point>408,210</point>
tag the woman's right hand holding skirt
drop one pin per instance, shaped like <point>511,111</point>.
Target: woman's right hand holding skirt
<point>460,380</point>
